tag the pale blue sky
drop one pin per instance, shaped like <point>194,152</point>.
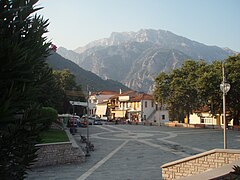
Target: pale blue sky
<point>75,23</point>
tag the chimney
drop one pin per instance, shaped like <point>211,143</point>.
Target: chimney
<point>120,91</point>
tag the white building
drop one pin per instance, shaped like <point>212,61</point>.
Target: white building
<point>204,116</point>
<point>129,106</point>
<point>137,107</point>
<point>98,103</point>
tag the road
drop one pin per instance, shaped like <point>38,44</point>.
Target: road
<point>136,152</point>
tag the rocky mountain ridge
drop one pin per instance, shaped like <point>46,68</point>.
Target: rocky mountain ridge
<point>136,58</point>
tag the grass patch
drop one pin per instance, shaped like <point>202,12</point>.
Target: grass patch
<point>54,135</point>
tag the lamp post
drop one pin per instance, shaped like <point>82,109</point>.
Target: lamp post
<point>73,108</point>
<point>87,144</point>
<point>142,111</point>
<point>225,87</point>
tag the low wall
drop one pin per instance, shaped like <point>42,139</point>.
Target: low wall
<point>199,163</point>
<point>177,124</point>
<point>170,124</point>
<point>58,153</point>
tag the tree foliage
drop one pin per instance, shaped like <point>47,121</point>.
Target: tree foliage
<point>232,67</point>
<point>48,115</point>
<point>66,82</point>
<point>52,94</point>
<point>23,77</point>
<point>196,84</point>
<point>65,79</point>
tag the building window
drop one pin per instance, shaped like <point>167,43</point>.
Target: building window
<point>163,116</point>
<point>145,104</point>
<point>152,104</point>
<point>145,117</point>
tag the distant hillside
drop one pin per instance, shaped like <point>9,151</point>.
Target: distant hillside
<point>136,58</point>
<point>84,77</point>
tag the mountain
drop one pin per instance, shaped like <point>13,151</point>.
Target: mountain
<point>149,64</point>
<point>136,58</point>
<point>82,76</point>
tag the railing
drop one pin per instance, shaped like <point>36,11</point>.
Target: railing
<point>152,114</point>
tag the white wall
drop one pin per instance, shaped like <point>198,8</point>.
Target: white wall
<point>194,119</point>
<point>160,117</point>
<point>206,119</point>
<point>157,117</point>
<point>147,111</point>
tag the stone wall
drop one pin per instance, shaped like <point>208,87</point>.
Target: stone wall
<point>177,124</point>
<point>58,153</point>
<point>199,163</point>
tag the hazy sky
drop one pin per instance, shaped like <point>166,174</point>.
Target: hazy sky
<point>75,23</point>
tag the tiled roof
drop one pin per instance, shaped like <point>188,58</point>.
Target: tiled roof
<point>128,93</point>
<point>134,96</point>
<point>202,109</point>
<point>143,96</point>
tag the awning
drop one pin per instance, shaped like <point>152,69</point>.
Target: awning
<point>101,110</point>
<point>134,111</point>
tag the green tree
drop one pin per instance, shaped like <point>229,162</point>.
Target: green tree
<point>23,74</point>
<point>196,84</point>
<point>207,85</point>
<point>49,115</point>
<point>178,89</point>
<point>65,79</point>
<point>185,89</point>
<point>162,88</point>
<point>232,68</point>
<point>53,95</point>
<point>66,82</point>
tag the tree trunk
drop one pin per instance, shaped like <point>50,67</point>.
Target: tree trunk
<point>236,118</point>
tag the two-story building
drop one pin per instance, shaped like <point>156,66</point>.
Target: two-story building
<point>129,106</point>
<point>98,103</point>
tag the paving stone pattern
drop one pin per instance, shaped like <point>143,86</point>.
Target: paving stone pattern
<point>135,152</point>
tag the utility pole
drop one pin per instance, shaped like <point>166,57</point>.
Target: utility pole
<point>88,142</point>
<point>225,87</point>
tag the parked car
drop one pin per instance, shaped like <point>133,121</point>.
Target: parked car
<point>94,117</point>
<point>82,123</point>
<point>90,121</point>
<point>104,118</point>
<point>72,122</point>
<point>97,122</point>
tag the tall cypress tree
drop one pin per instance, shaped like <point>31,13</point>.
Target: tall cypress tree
<point>23,73</point>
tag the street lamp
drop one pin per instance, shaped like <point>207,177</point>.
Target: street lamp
<point>225,87</point>
<point>88,142</point>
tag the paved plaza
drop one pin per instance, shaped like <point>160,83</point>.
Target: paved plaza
<point>135,152</point>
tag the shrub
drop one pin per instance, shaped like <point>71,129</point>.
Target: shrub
<point>48,116</point>
<point>23,74</point>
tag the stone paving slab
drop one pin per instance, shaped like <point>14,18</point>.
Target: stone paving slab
<point>135,151</point>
